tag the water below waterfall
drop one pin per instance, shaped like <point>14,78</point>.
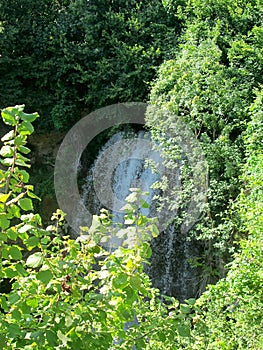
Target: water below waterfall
<point>170,269</point>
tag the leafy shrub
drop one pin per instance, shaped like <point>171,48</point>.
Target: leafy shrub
<point>75,294</point>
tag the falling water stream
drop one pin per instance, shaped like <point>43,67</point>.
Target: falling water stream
<point>169,269</point>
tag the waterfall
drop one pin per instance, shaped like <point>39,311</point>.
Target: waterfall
<point>170,269</point>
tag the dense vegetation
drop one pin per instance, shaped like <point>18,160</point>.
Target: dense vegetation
<point>65,58</point>
<point>211,83</point>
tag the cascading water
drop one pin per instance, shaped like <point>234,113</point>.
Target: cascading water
<point>170,269</point>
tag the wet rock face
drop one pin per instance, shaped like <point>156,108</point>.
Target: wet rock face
<point>44,148</point>
<point>171,270</point>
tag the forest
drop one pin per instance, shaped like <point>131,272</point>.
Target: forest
<point>201,63</point>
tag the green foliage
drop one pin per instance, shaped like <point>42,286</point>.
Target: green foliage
<point>75,294</point>
<point>210,85</point>
<point>66,58</point>
<point>231,311</point>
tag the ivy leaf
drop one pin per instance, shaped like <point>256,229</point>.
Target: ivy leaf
<point>44,276</point>
<point>26,204</point>
<point>35,260</point>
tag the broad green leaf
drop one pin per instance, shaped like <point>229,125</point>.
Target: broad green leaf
<point>7,161</point>
<point>3,303</point>
<point>162,336</point>
<point>4,197</point>
<point>14,330</point>
<point>126,314</point>
<point>20,140</point>
<point>7,151</point>
<point>11,233</point>
<point>14,211</point>
<point>184,330</point>
<point>135,282</point>
<point>24,149</point>
<point>25,128</point>
<point>129,221</point>
<point>20,269</point>
<point>9,116</point>
<point>68,321</point>
<point>131,295</point>
<point>26,204</point>
<point>21,157</point>
<point>146,250</point>
<point>35,260</point>
<point>16,314</point>
<point>28,117</point>
<point>140,344</point>
<point>121,281</point>
<point>4,222</point>
<point>25,228</point>
<point>9,136</point>
<point>154,231</point>
<point>132,197</point>
<point>185,309</point>
<point>44,276</point>
<point>51,338</point>
<point>15,253</point>
<point>10,272</point>
<point>21,162</point>
<point>144,204</point>
<point>22,175</point>
<point>32,242</point>
<point>32,195</point>
<point>33,302</point>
